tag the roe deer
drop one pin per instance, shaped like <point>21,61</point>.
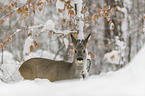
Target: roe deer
<point>57,70</point>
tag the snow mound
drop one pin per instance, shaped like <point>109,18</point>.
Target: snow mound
<point>129,81</point>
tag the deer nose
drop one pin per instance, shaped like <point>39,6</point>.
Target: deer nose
<point>80,59</point>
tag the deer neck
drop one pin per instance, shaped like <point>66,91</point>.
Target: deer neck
<point>78,69</point>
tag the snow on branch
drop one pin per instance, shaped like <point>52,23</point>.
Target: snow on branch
<point>115,56</point>
<point>59,4</point>
<point>50,26</point>
<point>28,43</point>
<point>79,7</point>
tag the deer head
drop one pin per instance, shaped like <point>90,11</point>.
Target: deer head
<point>80,49</point>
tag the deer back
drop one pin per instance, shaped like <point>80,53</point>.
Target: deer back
<point>47,69</point>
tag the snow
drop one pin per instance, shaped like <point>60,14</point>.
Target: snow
<point>28,43</point>
<point>128,4</point>
<point>79,7</point>
<point>80,28</point>
<point>115,56</point>
<point>129,81</point>
<point>49,25</point>
<point>8,57</point>
<point>65,32</point>
<point>59,4</point>
<point>124,24</point>
<point>22,1</point>
<point>66,42</point>
<point>9,68</point>
<point>42,54</point>
<point>112,26</point>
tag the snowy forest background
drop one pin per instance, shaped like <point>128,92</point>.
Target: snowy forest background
<point>40,28</point>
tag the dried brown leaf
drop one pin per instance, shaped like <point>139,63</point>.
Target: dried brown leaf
<point>50,32</point>
<point>5,6</point>
<point>107,8</point>
<point>35,43</point>
<point>112,57</point>
<point>60,10</point>
<point>30,34</point>
<point>26,8</point>
<point>19,11</point>
<point>2,21</point>
<point>31,48</point>
<point>111,11</point>
<point>15,3</point>
<point>10,15</point>
<point>19,61</point>
<point>23,9</point>
<point>1,45</point>
<point>34,11</point>
<point>144,16</point>
<point>99,10</point>
<point>1,9</point>
<point>40,8</point>
<point>9,8</point>
<point>110,22</point>
<point>70,51</point>
<point>75,35</point>
<point>91,54</point>
<point>63,20</point>
<point>5,39</point>
<point>26,15</point>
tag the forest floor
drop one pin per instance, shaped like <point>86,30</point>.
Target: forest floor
<point>128,81</point>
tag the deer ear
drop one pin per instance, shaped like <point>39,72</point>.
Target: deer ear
<point>74,41</point>
<point>85,42</point>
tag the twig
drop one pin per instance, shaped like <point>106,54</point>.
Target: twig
<point>88,68</point>
<point>59,51</point>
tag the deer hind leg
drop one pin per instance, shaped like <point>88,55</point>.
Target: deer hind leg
<point>27,73</point>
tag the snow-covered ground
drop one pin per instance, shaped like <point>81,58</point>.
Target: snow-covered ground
<point>129,81</point>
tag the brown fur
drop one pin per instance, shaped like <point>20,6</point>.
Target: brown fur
<point>49,69</point>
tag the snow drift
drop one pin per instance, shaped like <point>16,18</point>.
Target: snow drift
<point>129,81</point>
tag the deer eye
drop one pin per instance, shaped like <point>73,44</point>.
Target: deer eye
<point>84,51</point>
<point>75,51</point>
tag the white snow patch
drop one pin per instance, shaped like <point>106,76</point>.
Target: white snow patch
<point>10,72</point>
<point>65,31</point>
<point>42,54</point>
<point>9,68</point>
<point>66,42</point>
<point>28,43</point>
<point>1,74</point>
<point>59,4</point>
<point>22,1</point>
<point>128,4</point>
<point>8,57</point>
<point>49,25</point>
<point>115,56</point>
<point>81,34</point>
<point>79,7</point>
